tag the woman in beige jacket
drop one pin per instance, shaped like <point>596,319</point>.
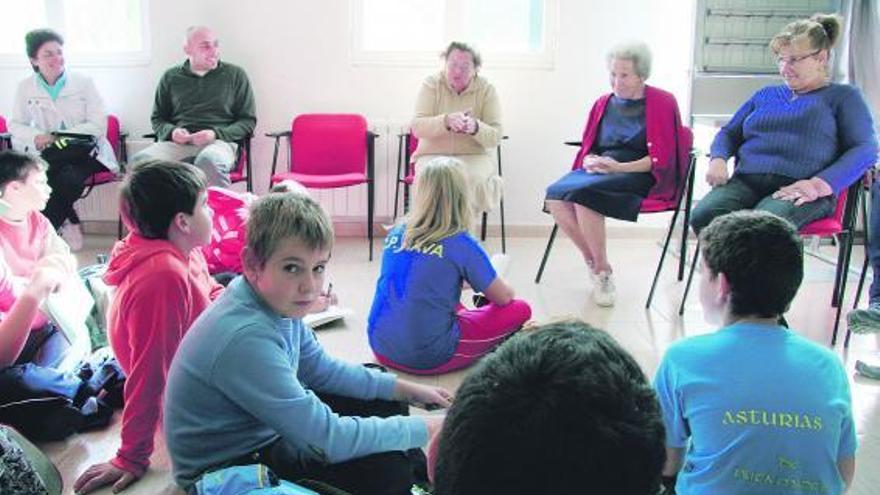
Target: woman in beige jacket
<point>458,114</point>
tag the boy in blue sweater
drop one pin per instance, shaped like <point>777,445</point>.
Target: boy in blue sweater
<point>242,386</point>
<point>754,407</point>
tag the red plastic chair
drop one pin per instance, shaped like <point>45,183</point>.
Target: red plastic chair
<point>327,151</point>
<point>406,146</point>
<point>117,138</point>
<point>652,204</point>
<point>242,170</point>
<point>840,225</point>
<point>5,136</point>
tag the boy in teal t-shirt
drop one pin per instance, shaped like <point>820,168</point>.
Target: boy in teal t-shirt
<point>754,407</point>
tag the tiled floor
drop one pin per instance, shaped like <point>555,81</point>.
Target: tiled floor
<point>563,292</point>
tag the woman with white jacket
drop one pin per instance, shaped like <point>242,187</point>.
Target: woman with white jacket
<point>56,100</point>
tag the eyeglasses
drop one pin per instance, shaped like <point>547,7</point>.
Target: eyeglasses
<point>795,60</point>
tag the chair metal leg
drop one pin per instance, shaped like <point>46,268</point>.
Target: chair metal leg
<point>686,225</point>
<point>867,255</point>
<point>119,227</point>
<point>503,230</point>
<point>662,258</point>
<point>838,271</point>
<point>370,216</point>
<point>843,268</point>
<point>397,179</point>
<point>483,227</point>
<point>690,279</point>
<point>405,198</point>
<point>546,253</point>
<point>862,277</point>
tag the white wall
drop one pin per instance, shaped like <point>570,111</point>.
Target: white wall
<point>297,56</point>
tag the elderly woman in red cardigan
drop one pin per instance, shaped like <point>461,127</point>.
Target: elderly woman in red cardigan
<point>628,151</point>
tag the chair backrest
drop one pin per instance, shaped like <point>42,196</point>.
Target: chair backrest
<point>412,142</point>
<point>4,142</point>
<point>654,203</point>
<point>328,144</point>
<point>241,157</point>
<point>114,134</point>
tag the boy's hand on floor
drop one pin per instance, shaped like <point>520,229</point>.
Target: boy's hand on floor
<point>422,395</point>
<point>100,475</point>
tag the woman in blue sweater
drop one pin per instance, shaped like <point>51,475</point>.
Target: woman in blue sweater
<point>797,145</point>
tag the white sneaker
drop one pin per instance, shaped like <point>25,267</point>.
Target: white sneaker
<point>72,235</point>
<point>603,291</point>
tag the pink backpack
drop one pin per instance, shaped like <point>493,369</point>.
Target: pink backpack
<point>223,253</point>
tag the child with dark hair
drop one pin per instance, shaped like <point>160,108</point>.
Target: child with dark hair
<point>28,242</point>
<point>560,409</point>
<point>274,395</point>
<point>754,407</point>
<point>51,100</point>
<point>162,284</point>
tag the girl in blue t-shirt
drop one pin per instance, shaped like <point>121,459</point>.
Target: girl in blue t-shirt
<point>417,323</point>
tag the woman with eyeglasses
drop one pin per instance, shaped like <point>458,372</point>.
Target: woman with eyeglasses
<point>458,113</point>
<point>798,144</point>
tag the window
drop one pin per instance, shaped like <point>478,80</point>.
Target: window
<point>411,32</point>
<point>95,31</point>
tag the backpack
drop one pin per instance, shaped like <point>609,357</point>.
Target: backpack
<point>223,252</point>
<point>23,468</point>
<point>32,401</point>
<point>253,479</point>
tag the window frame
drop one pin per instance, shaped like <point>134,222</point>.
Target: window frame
<point>55,20</point>
<point>546,59</point>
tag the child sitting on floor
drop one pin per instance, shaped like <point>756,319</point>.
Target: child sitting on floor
<point>559,409</point>
<point>273,394</point>
<point>27,241</point>
<point>162,285</point>
<point>754,407</point>
<point>417,323</point>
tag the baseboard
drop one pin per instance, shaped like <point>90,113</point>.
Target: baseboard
<point>100,227</point>
<point>343,227</point>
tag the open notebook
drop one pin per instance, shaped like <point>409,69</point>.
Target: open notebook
<point>333,313</point>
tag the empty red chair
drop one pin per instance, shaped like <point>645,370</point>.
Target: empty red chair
<point>327,151</point>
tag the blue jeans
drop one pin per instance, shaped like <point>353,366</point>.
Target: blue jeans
<point>34,373</point>
<point>874,241</point>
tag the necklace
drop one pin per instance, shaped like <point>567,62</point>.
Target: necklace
<point>795,94</point>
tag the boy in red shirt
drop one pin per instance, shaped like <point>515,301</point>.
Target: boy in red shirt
<point>162,285</point>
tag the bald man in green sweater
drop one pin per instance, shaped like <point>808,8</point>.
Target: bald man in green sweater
<point>202,108</point>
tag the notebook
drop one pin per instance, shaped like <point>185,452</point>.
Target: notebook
<point>68,308</point>
<point>331,314</point>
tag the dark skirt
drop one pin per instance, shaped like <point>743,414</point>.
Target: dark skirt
<point>612,195</point>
